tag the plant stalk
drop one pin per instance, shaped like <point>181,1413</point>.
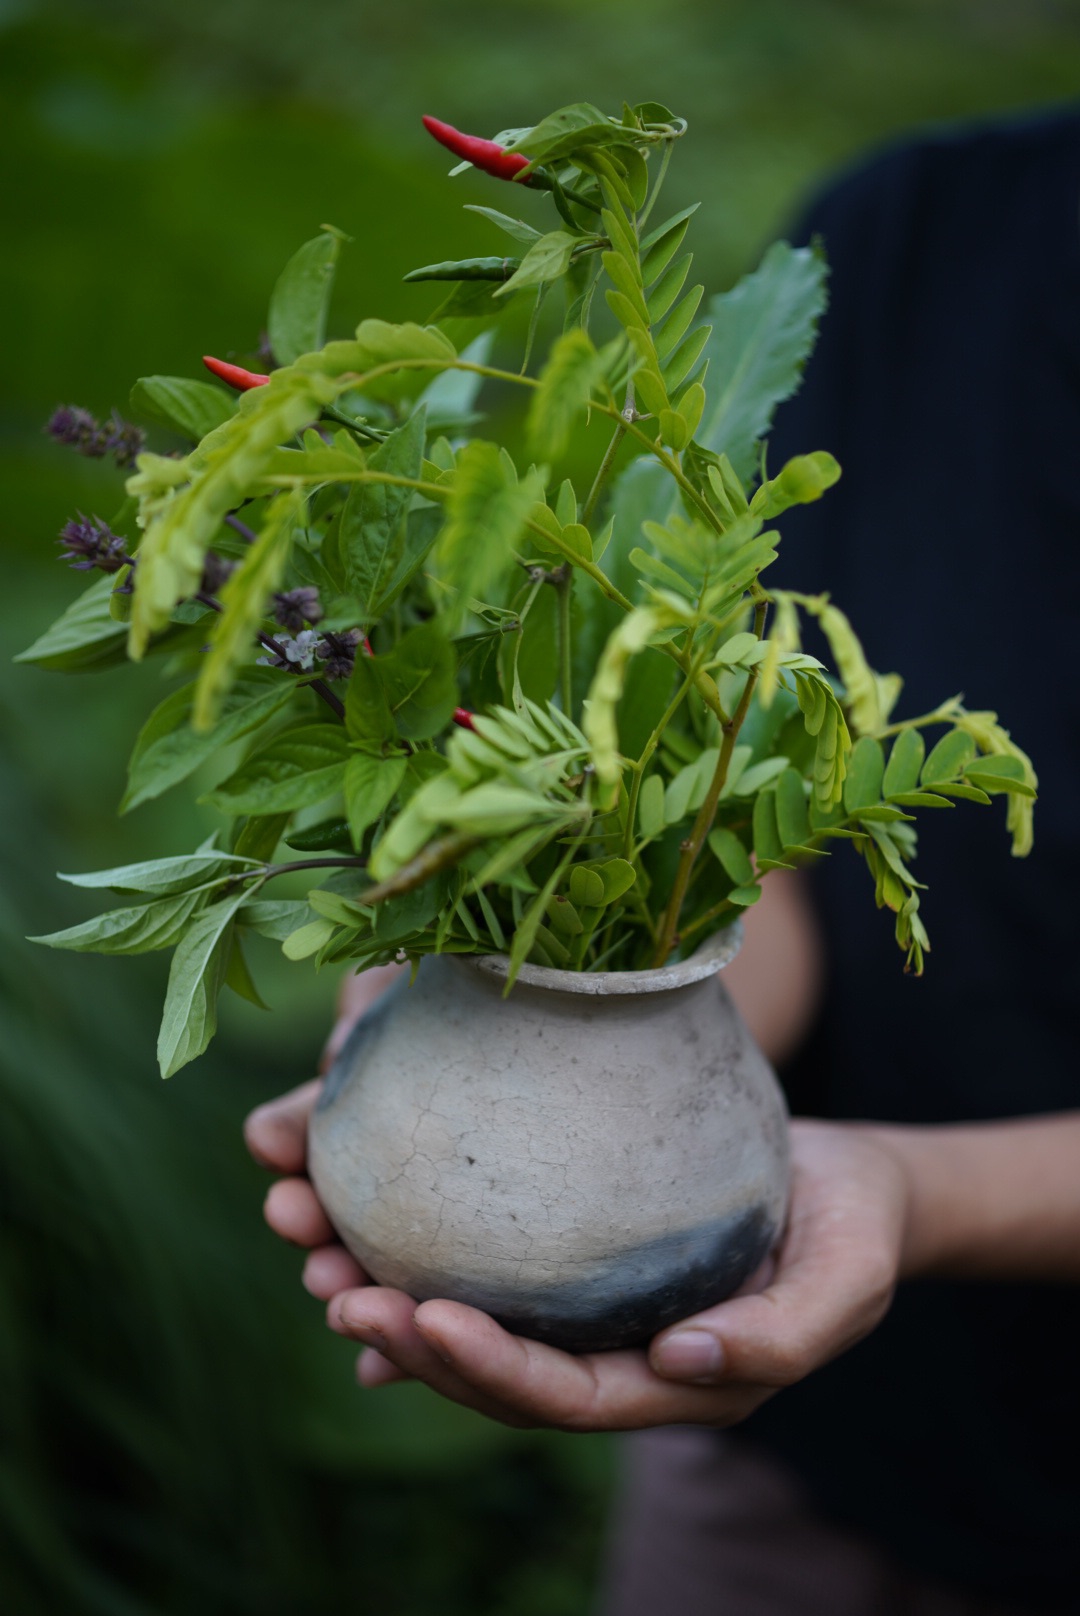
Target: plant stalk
<point>707,812</point>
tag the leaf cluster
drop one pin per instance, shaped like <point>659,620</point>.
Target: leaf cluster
<point>570,725</point>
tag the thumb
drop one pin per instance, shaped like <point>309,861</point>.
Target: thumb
<point>832,1285</point>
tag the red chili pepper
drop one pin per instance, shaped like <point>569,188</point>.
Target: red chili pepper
<point>366,643</point>
<point>463,717</point>
<point>235,375</point>
<point>487,155</point>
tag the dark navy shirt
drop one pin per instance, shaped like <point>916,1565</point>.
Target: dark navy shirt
<point>947,383</point>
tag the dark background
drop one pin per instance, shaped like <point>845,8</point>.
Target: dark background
<point>178,1433</point>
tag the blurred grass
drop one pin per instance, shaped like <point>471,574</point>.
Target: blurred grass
<point>180,1433</point>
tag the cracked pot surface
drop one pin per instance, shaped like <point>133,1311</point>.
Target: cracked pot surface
<point>588,1160</point>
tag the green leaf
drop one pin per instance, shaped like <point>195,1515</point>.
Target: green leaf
<point>327,836</point>
<point>618,876</point>
<point>546,260</point>
<point>745,896</point>
<point>573,370</point>
<point>792,816</point>
<point>307,940</point>
<point>732,855</point>
<point>189,407</point>
<point>763,331</point>
<point>299,767</point>
<point>650,810</point>
<point>486,511</point>
<point>905,761</point>
<point>163,877</point>
<point>802,480</point>
<point>182,521</point>
<point>373,533</point>
<point>1000,768</point>
<point>238,975</point>
<point>768,847</point>
<point>299,302</point>
<point>245,599</point>
<point>660,246</point>
<point>258,836</point>
<point>517,229</point>
<point>629,637</point>
<point>949,758</point>
<point>917,799</point>
<point>199,964</point>
<point>586,887</point>
<point>866,769</point>
<point>167,749</point>
<point>138,930</point>
<point>84,637</point>
<point>368,720</point>
<point>997,782</point>
<point>370,785</point>
<point>417,677</point>
<point>276,918</point>
<point>567,131</point>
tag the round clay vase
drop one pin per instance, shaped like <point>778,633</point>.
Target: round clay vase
<point>588,1159</point>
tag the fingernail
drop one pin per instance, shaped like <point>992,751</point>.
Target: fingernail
<point>368,1333</point>
<point>689,1355</point>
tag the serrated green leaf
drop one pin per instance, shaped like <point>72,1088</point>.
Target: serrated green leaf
<point>297,768</point>
<point>190,407</point>
<point>763,331</point>
<point>168,750</point>
<point>296,322</point>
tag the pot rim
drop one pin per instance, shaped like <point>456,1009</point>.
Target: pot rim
<point>713,954</point>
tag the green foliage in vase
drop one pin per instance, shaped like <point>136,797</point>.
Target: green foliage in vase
<point>489,710</point>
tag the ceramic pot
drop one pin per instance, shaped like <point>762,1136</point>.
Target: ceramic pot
<point>588,1160</point>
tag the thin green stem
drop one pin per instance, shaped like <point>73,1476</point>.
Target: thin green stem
<point>644,760</point>
<point>668,933</point>
<point>643,217</point>
<point>563,584</point>
<point>602,472</point>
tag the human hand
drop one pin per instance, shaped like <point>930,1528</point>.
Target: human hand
<point>828,1284</point>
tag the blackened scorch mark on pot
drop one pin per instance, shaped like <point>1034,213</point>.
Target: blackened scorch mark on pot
<point>625,1300</point>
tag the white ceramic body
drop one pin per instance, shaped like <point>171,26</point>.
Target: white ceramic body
<point>589,1159</point>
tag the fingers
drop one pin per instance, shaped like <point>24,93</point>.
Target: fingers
<point>329,1270</point>
<point>373,1370</point>
<point>292,1210</point>
<point>835,1274</point>
<point>383,1319</point>
<point>276,1133</point>
<point>539,1385</point>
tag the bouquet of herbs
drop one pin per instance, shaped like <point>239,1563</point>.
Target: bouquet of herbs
<point>482,707</point>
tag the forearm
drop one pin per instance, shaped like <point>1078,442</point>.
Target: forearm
<point>992,1200</point>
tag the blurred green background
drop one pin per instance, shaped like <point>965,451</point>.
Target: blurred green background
<point>179,1432</point>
